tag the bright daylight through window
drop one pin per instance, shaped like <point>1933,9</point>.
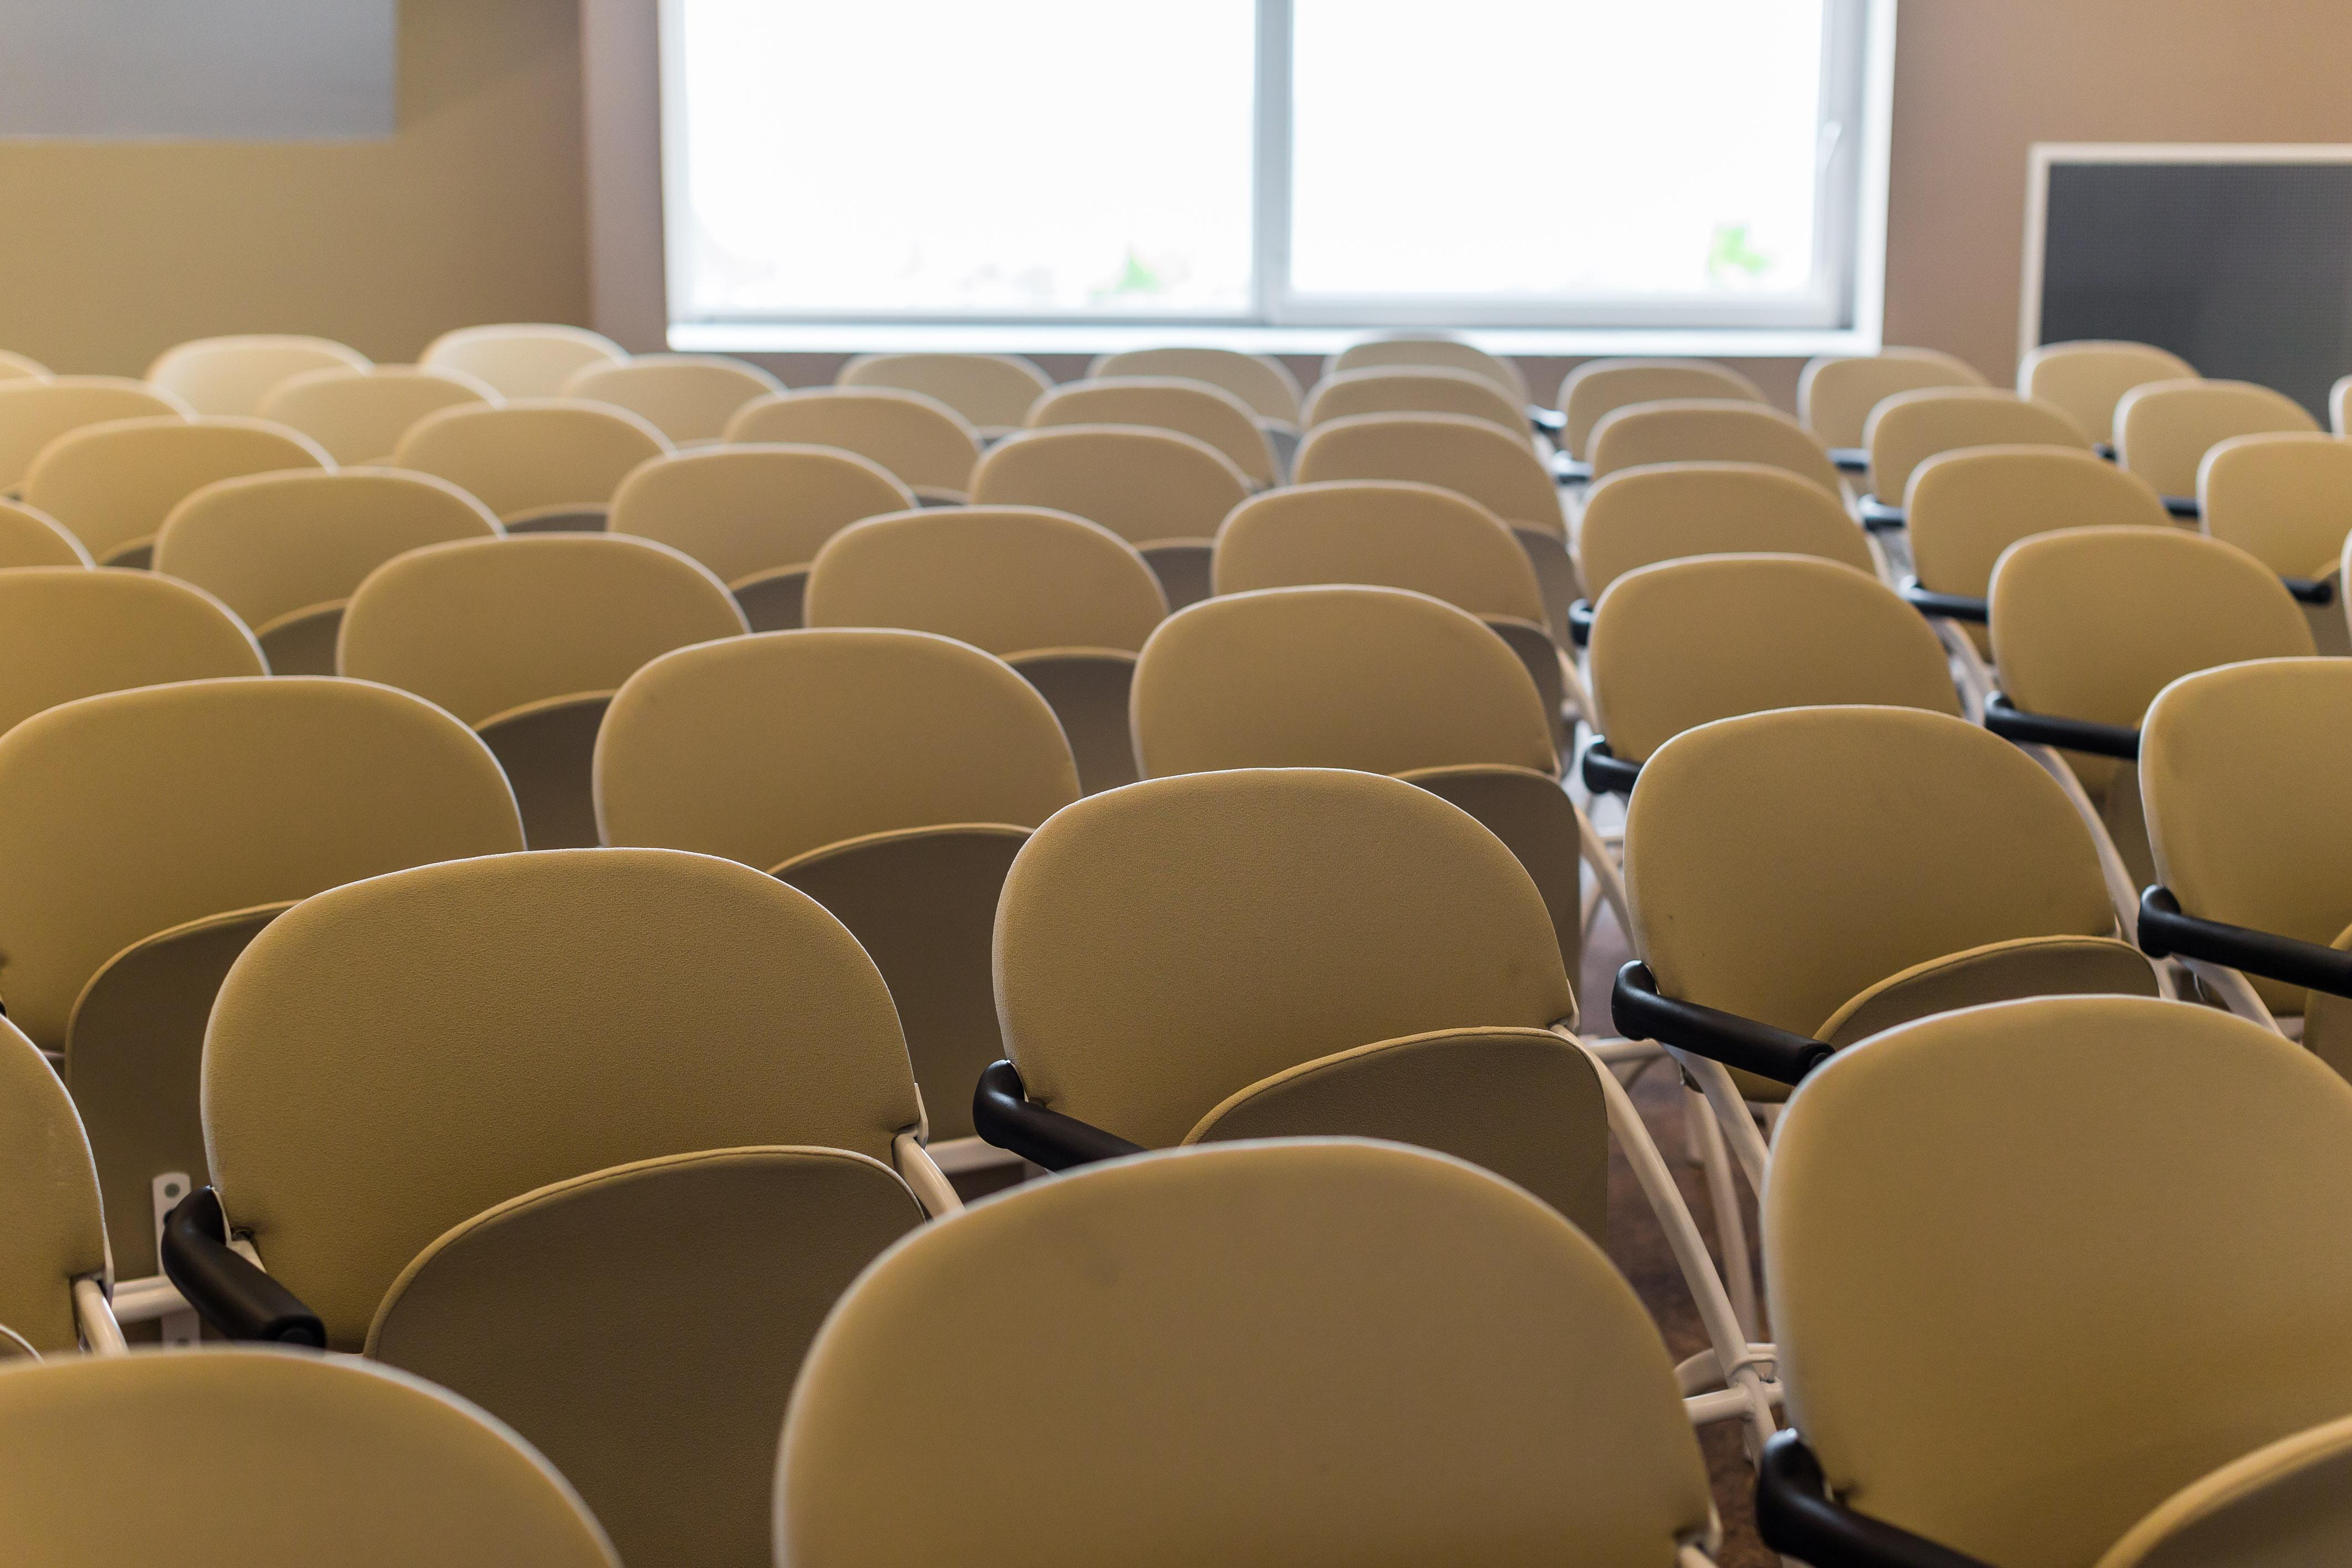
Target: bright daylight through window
<point>1676,163</point>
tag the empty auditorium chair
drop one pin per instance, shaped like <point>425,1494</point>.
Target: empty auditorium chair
<point>360,415</point>
<point>687,397</point>
<point>1414,389</point>
<point>1065,602</point>
<point>1984,1233</point>
<point>1162,492</point>
<point>1292,1322</point>
<point>113,485</point>
<point>54,1272</point>
<point>1261,381</point>
<point>925,445</point>
<point>1836,395</point>
<point>1431,348</point>
<point>1207,413</point>
<point>992,391</point>
<point>521,359</point>
<point>35,413</point>
<point>1597,388</point>
<point>1637,517</point>
<point>67,632</point>
<point>755,515</point>
<point>17,367</point>
<point>2088,377</point>
<point>367,1467</point>
<point>593,1138</point>
<point>1710,430</point>
<point>285,551</point>
<point>146,834</point>
<point>2164,428</point>
<point>526,638</point>
<point>1910,427</point>
<point>29,537</point>
<point>232,375</point>
<point>2286,499</point>
<point>542,465</point>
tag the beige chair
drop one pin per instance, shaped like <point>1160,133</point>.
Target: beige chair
<point>1293,1322</point>
<point>1836,395</point>
<point>891,775</point>
<point>67,632</point>
<point>2088,377</point>
<point>593,1138</point>
<point>113,485</point>
<point>1710,430</point>
<point>526,638</point>
<point>1261,381</point>
<point>1194,408</point>
<point>285,551</point>
<point>992,391</point>
<point>1597,388</point>
<point>2278,1504</point>
<point>688,397</point>
<point>146,834</point>
<point>2164,428</point>
<point>927,446</point>
<point>755,515</point>
<point>542,464</point>
<point>232,375</point>
<point>30,537</point>
<point>360,415</point>
<point>1445,353</point>
<point>55,1272</point>
<point>1162,492</point>
<point>1985,1232</point>
<point>17,367</point>
<point>1065,602</point>
<point>521,359</point>
<point>2287,501</point>
<point>1414,389</point>
<point>1910,427</point>
<point>35,413</point>
<point>365,1467</point>
<point>1638,517</point>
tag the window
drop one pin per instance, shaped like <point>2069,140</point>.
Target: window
<point>1511,163</point>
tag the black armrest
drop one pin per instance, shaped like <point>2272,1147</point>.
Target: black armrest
<point>227,1290</point>
<point>1879,517</point>
<point>2165,932</point>
<point>1797,1516</point>
<point>2106,449</point>
<point>1642,1014</point>
<point>2011,722</point>
<point>1606,773</point>
<point>1949,606</point>
<point>2184,507</point>
<point>1002,1113</point>
<point>1580,622</point>
<point>2311,590</point>
<point>1569,471</point>
<point>1551,421</point>
<point>1851,460</point>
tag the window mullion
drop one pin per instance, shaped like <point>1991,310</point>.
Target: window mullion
<point>1270,210</point>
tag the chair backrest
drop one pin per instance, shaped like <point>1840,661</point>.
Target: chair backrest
<point>1496,469</point>
<point>1597,388</point>
<point>1377,678</point>
<point>369,1466</point>
<point>1909,427</point>
<point>1159,946</point>
<point>113,485</point>
<point>1836,395</point>
<point>31,537</point>
<point>1683,643</point>
<point>1389,533</point>
<point>2276,1504</point>
<point>1960,1271</point>
<point>1293,1320</point>
<point>232,375</point>
<point>1449,354</point>
<point>1261,381</point>
<point>1008,579</point>
<point>1710,430</point>
<point>1148,487</point>
<point>1778,864</point>
<point>2164,428</point>
<point>1194,408</point>
<point>57,1234</point>
<point>2286,499</point>
<point>1637,517</point>
<point>1414,389</point>
<point>67,632</point>
<point>537,455</point>
<point>2088,377</point>
<point>763,748</point>
<point>35,413</point>
<point>127,814</point>
<point>744,510</point>
<point>992,391</point>
<point>687,397</point>
<point>927,446</point>
<point>390,1059</point>
<point>1963,509</point>
<point>483,627</point>
<point>17,367</point>
<point>359,414</point>
<point>521,359</point>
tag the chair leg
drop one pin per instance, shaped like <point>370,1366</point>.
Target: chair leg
<point>1723,1195</point>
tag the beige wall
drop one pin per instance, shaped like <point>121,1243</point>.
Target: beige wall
<point>110,252</point>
